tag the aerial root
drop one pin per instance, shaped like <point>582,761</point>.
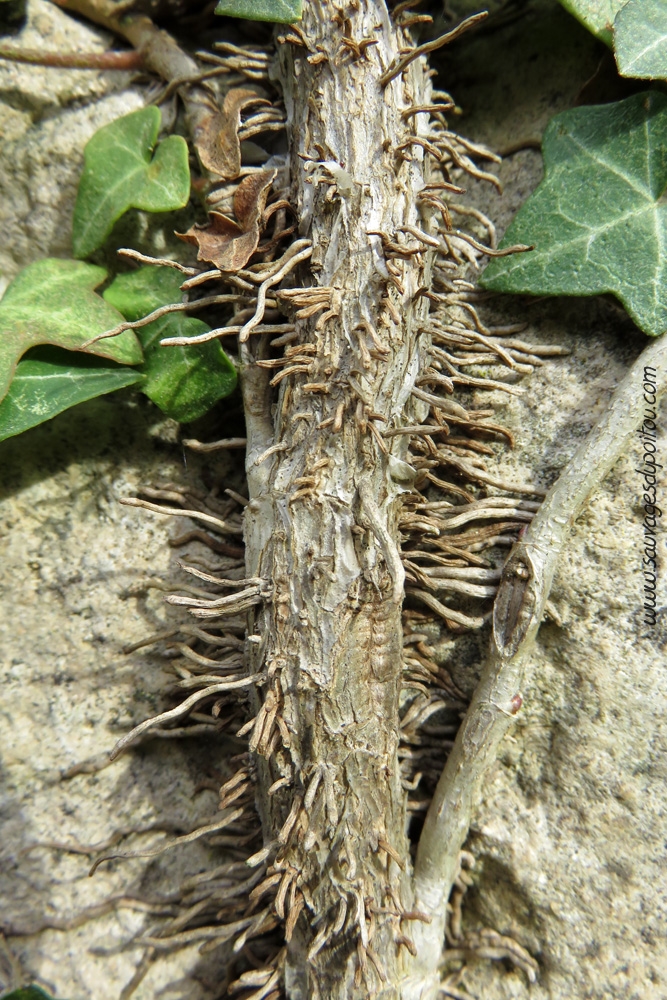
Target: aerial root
<point>489,944</point>
<point>442,539</point>
<point>183,709</point>
<point>449,987</point>
<point>300,250</point>
<point>177,842</point>
<point>161,908</point>
<point>142,969</point>
<point>196,515</point>
<point>208,446</point>
<point>404,61</point>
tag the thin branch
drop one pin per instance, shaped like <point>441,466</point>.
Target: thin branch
<point>74,60</point>
<point>160,52</point>
<point>518,612</point>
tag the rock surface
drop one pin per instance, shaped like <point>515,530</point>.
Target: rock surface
<point>72,564</point>
<point>569,839</point>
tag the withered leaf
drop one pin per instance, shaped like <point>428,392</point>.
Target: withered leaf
<point>217,139</point>
<point>227,243</point>
<point>250,197</point>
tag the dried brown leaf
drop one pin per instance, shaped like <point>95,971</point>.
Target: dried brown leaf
<point>250,198</point>
<point>217,140</point>
<point>227,243</point>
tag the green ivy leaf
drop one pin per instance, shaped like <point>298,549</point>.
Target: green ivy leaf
<point>27,993</point>
<point>597,220</point>
<point>596,15</point>
<point>280,11</point>
<point>122,170</point>
<point>184,382</point>
<point>47,382</point>
<point>53,302</point>
<point>640,39</point>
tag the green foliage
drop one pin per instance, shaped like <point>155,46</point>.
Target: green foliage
<point>122,170</point>
<point>281,11</point>
<point>598,221</point>
<point>54,302</point>
<point>27,993</point>
<point>596,15</point>
<point>185,382</point>
<point>640,39</point>
<point>635,29</point>
<point>46,383</point>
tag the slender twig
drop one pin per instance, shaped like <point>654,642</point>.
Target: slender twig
<point>74,60</point>
<point>518,612</point>
<point>160,52</point>
<point>256,394</point>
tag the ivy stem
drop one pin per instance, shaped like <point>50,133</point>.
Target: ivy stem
<point>518,611</point>
<point>160,53</point>
<point>74,60</point>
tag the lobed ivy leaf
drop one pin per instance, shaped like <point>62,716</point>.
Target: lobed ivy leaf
<point>598,220</point>
<point>640,39</point>
<point>123,169</point>
<point>48,382</point>
<point>596,15</point>
<point>184,382</point>
<point>53,302</point>
<point>280,11</point>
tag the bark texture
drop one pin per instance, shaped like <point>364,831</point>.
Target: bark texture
<point>321,524</point>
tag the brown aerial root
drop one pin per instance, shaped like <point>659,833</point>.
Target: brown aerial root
<point>157,907</point>
<point>421,50</point>
<point>485,943</point>
<point>247,61</point>
<point>442,538</point>
<point>220,905</point>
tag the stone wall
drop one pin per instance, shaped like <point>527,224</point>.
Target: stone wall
<point>569,838</point>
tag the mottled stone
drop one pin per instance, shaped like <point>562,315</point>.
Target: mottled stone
<point>569,838</point>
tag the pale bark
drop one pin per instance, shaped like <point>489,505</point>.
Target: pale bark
<point>321,524</point>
